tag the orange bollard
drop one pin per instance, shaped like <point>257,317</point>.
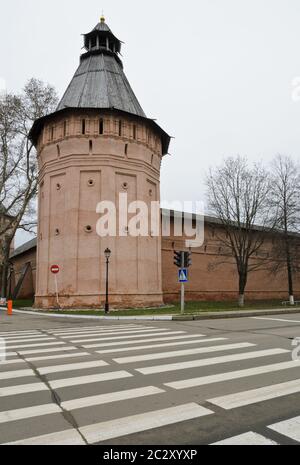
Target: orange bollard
<point>9,307</point>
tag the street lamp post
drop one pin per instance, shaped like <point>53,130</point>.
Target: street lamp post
<point>107,254</point>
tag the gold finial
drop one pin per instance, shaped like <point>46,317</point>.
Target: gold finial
<point>102,19</point>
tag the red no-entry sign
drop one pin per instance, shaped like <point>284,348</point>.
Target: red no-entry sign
<point>54,269</point>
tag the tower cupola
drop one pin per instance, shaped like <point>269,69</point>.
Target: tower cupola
<point>102,39</point>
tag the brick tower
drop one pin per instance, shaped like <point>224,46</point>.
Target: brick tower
<point>98,144</point>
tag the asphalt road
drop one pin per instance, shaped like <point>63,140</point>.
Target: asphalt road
<point>68,381</point>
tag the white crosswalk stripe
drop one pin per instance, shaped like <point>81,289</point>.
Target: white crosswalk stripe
<point>122,331</point>
<point>289,428</point>
<point>92,328</point>
<point>232,375</point>
<point>56,357</point>
<point>254,396</point>
<point>142,422</point>
<point>27,338</point>
<point>123,334</point>
<point>246,439</point>
<point>155,346</point>
<point>20,341</point>
<point>81,380</point>
<point>12,361</point>
<point>22,389</point>
<point>136,405</point>
<point>43,351</point>
<point>71,367</point>
<point>94,346</point>
<point>61,438</point>
<point>46,344</point>
<point>12,333</point>
<point>111,397</point>
<point>16,374</point>
<point>29,412</point>
<point>208,362</point>
<point>182,353</point>
<point>156,339</point>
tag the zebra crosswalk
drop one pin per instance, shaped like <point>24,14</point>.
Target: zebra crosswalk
<point>56,385</point>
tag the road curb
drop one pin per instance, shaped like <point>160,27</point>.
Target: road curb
<point>235,314</point>
<point>92,317</point>
<point>203,316</point>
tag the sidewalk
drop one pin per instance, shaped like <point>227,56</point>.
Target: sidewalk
<point>188,317</point>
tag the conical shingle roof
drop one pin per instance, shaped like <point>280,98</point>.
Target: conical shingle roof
<point>100,81</point>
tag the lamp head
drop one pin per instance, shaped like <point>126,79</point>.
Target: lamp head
<point>107,253</point>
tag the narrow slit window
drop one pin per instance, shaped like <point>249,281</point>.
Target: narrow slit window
<point>126,149</point>
<point>65,128</point>
<point>91,146</point>
<point>120,128</point>
<point>134,132</point>
<point>101,126</point>
<point>58,150</point>
<point>52,133</point>
<point>83,128</point>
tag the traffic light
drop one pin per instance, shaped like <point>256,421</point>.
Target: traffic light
<point>187,259</point>
<point>177,259</point>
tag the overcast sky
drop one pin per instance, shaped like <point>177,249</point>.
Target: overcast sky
<point>216,74</point>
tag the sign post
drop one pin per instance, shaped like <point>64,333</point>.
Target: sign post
<point>55,270</point>
<point>183,261</point>
<point>183,278</point>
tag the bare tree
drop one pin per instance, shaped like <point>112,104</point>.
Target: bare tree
<point>284,201</point>
<point>237,196</point>
<point>18,167</point>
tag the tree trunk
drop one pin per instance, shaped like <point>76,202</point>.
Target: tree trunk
<point>241,300</point>
<point>290,273</point>
<point>242,285</point>
<point>4,278</point>
<point>5,267</point>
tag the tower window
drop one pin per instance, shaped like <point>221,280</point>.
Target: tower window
<point>52,133</point>
<point>91,146</point>
<point>101,126</point>
<point>83,126</point>
<point>126,149</point>
<point>58,150</point>
<point>65,128</point>
<point>134,132</point>
<point>120,128</point>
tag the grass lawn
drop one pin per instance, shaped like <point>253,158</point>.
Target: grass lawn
<point>22,303</point>
<point>191,308</point>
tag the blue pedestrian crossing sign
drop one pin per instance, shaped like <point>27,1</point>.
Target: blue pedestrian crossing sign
<point>183,275</point>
